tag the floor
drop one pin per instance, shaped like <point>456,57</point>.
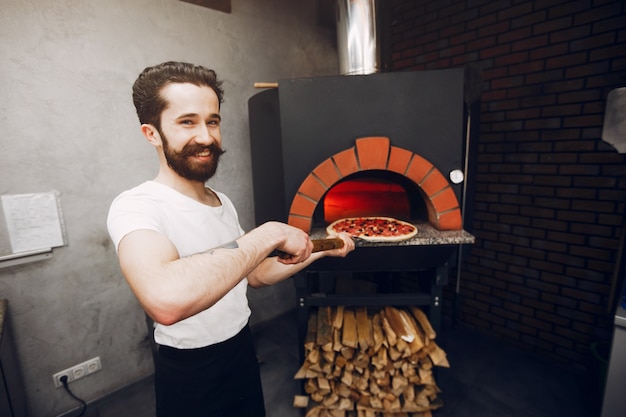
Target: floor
<point>487,378</point>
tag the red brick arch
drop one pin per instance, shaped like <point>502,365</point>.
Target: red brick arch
<point>376,153</point>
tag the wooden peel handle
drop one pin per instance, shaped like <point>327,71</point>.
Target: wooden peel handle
<point>318,246</point>
<point>327,244</point>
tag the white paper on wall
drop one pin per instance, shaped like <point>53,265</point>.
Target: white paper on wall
<point>34,221</point>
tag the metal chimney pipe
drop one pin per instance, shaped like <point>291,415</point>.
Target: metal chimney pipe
<point>357,40</point>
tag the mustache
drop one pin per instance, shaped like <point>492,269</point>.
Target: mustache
<point>193,149</point>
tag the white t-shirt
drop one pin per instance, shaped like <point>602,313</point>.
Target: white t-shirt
<point>192,227</point>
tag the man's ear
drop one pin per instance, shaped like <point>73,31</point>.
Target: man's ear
<point>151,133</point>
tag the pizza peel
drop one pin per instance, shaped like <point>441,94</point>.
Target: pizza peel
<point>320,245</point>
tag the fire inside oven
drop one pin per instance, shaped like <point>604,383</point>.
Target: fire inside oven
<point>372,193</point>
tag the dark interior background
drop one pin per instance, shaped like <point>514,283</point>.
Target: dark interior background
<point>549,193</point>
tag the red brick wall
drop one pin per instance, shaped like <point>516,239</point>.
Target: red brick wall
<point>549,192</point>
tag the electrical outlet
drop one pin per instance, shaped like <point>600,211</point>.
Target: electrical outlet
<point>93,365</point>
<point>77,371</point>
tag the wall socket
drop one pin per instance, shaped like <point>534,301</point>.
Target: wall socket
<point>78,371</point>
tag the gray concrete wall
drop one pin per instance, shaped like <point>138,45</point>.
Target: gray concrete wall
<point>68,124</point>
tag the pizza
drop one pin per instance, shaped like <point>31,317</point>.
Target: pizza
<point>374,229</point>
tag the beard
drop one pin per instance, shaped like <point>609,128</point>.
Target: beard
<point>183,166</point>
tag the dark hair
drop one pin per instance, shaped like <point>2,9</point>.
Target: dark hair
<point>147,88</point>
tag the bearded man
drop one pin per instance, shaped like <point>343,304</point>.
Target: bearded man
<point>187,259</point>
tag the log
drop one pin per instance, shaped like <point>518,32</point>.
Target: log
<point>369,363</point>
<point>349,335</point>
<point>417,343</point>
<point>324,338</point>
<point>338,319</point>
<point>300,401</point>
<point>311,334</point>
<point>377,326</point>
<point>437,355</point>
<point>337,338</point>
<point>424,323</point>
<point>390,335</point>
<point>380,360</point>
<point>329,356</point>
<point>323,384</point>
<point>364,329</point>
<point>405,328</point>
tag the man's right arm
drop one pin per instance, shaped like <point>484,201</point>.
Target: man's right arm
<point>171,288</point>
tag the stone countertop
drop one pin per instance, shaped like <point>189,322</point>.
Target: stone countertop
<point>427,235</point>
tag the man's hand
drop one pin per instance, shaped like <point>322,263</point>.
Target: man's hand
<point>348,246</point>
<point>298,247</point>
<point>294,243</point>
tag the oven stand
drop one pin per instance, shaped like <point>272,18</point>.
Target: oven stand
<point>317,288</point>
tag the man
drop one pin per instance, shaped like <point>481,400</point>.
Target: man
<point>187,259</point>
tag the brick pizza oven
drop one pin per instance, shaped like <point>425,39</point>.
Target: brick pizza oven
<point>385,144</point>
<point>313,139</point>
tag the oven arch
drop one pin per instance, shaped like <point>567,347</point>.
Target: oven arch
<point>376,153</point>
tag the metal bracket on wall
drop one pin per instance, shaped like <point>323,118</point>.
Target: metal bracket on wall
<point>25,257</point>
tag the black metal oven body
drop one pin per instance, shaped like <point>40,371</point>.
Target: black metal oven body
<point>304,121</point>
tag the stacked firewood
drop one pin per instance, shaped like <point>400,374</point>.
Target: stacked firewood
<point>369,363</point>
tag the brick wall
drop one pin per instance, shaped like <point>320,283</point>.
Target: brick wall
<point>549,192</point>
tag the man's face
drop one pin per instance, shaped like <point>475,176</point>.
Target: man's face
<point>190,131</point>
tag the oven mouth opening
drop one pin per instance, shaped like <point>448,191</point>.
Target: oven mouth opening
<point>377,193</point>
